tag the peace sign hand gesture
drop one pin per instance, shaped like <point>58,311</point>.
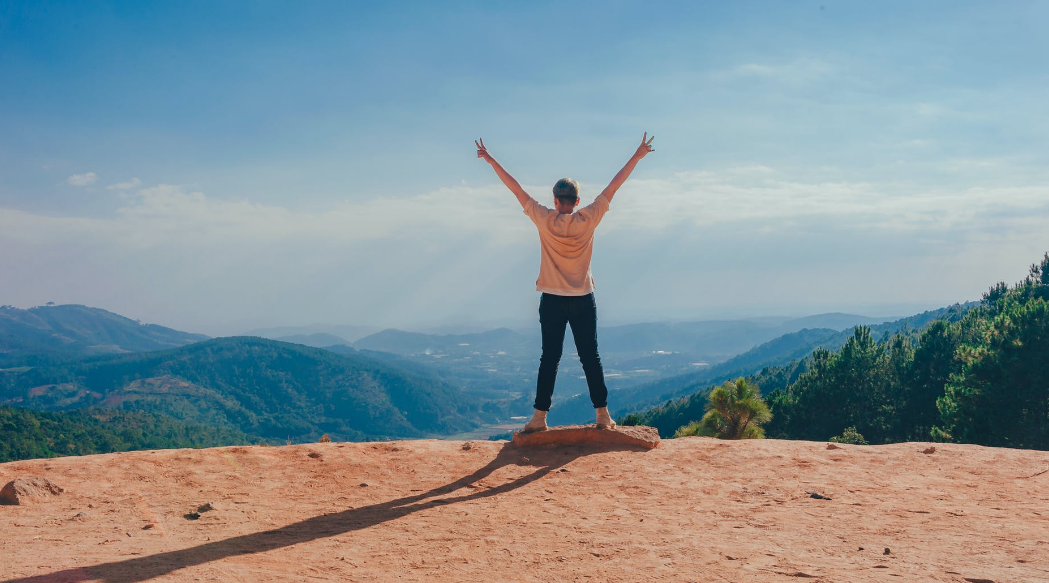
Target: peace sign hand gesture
<point>482,151</point>
<point>645,147</point>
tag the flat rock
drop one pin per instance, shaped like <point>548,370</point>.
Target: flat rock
<point>639,435</point>
<point>21,488</point>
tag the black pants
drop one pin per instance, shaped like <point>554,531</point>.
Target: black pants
<point>581,313</point>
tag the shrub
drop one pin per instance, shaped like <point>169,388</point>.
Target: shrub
<point>735,410</point>
<point>850,435</point>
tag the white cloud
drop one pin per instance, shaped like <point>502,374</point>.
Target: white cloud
<point>465,250</point>
<point>82,179</point>
<point>758,195</point>
<point>130,184</point>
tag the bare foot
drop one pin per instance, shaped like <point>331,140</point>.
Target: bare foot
<point>604,420</point>
<point>538,422</point>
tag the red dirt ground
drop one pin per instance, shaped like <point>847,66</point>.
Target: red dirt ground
<point>692,509</point>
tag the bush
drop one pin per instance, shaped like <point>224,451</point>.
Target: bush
<point>735,410</point>
<point>850,435</point>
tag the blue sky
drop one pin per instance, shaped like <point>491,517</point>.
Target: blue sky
<point>219,166</point>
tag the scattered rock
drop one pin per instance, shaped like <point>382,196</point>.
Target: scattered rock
<point>191,516</point>
<point>149,526</point>
<point>206,507</point>
<point>832,446</point>
<point>525,460</point>
<point>468,446</point>
<point>818,496</point>
<point>860,549</point>
<point>563,470</point>
<point>978,580</point>
<point>364,484</point>
<point>314,455</point>
<point>929,450</point>
<point>20,489</point>
<point>887,551</point>
<point>80,516</point>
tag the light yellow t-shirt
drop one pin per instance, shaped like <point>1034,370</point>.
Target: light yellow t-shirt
<point>567,242</point>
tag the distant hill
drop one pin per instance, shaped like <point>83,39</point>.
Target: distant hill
<point>344,332</point>
<point>50,333</point>
<point>264,388</point>
<point>317,340</point>
<point>777,352</point>
<point>708,340</point>
<point>400,342</point>
<point>774,364</point>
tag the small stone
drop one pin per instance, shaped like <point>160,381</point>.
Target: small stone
<point>525,460</point>
<point>19,489</point>
<point>80,516</point>
<point>887,552</point>
<point>206,507</point>
<point>149,526</point>
<point>860,549</point>
<point>191,516</point>
<point>929,450</point>
<point>364,484</point>
<point>468,446</point>
<point>832,446</point>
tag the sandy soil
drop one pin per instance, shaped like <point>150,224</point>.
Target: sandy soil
<point>692,509</point>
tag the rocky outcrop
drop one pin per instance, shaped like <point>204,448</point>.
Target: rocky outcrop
<point>638,435</point>
<point>19,489</point>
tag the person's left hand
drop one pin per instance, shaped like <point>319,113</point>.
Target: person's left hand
<point>645,147</point>
<point>482,151</point>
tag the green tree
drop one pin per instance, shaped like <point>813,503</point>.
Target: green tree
<point>1000,397</point>
<point>735,410</point>
<point>932,364</point>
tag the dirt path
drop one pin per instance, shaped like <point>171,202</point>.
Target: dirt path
<point>692,509</point>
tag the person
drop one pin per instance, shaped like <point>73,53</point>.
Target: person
<point>566,239</point>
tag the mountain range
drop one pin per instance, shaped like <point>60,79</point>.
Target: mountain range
<point>50,333</point>
<point>263,388</point>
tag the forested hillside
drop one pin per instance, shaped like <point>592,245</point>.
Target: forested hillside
<point>27,434</point>
<point>633,400</point>
<point>979,378</point>
<point>56,333</point>
<point>262,388</point>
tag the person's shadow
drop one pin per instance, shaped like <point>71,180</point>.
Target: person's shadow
<point>144,568</point>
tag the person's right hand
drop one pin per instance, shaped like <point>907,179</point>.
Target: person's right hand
<point>645,147</point>
<point>482,151</point>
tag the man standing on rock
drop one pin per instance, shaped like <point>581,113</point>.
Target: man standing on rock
<point>566,238</point>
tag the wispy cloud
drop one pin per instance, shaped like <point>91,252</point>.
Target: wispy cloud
<point>469,251</point>
<point>756,195</point>
<point>85,179</point>
<point>130,184</point>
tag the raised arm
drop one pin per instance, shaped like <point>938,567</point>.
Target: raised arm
<point>509,181</point>
<point>623,174</point>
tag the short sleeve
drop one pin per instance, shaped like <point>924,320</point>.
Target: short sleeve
<point>534,210</point>
<point>597,209</point>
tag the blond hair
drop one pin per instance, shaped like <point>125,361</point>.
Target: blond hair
<point>567,189</point>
